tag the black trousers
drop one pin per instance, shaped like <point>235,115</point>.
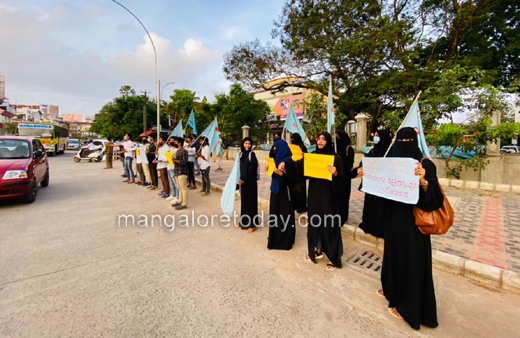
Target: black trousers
<point>191,173</point>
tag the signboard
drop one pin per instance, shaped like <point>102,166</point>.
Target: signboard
<point>34,126</point>
<point>391,178</point>
<point>72,118</point>
<point>316,165</point>
<point>280,106</point>
<point>89,118</point>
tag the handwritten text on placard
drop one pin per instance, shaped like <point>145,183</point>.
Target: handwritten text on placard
<point>391,178</point>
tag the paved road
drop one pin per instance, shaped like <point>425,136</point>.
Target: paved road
<point>68,270</point>
<point>486,229</point>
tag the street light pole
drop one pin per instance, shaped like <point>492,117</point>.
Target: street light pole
<point>169,83</point>
<point>157,83</point>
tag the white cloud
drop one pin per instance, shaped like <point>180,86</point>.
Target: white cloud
<point>43,67</point>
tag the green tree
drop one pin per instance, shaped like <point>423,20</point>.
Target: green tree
<point>124,115</point>
<point>181,105</point>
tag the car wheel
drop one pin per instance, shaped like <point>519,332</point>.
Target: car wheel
<point>31,196</point>
<point>77,159</point>
<point>45,181</point>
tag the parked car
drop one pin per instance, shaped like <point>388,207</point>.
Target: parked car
<point>511,149</point>
<point>23,167</point>
<point>73,144</point>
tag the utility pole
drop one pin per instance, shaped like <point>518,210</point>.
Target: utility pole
<point>145,113</point>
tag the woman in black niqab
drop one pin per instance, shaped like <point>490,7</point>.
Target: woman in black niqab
<point>406,275</point>
<point>375,207</point>
<point>298,184</point>
<point>345,151</point>
<point>248,187</point>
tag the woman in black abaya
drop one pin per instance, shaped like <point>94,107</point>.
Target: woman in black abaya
<point>375,207</point>
<point>282,231</point>
<point>406,275</point>
<point>299,185</point>
<point>345,151</point>
<point>248,187</point>
<point>324,220</point>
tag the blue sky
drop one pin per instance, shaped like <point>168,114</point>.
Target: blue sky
<point>77,54</point>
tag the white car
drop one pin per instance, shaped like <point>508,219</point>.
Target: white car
<point>104,141</point>
<point>510,150</point>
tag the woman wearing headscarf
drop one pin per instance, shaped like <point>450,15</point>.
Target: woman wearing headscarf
<point>324,220</point>
<point>272,152</point>
<point>406,275</point>
<point>345,151</point>
<point>248,186</point>
<point>282,231</point>
<point>299,185</point>
<point>375,207</point>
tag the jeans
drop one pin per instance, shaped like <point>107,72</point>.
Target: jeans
<point>129,171</point>
<point>141,172</point>
<point>197,165</point>
<point>206,183</point>
<point>153,173</point>
<point>171,176</point>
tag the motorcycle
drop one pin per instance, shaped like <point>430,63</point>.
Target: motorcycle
<point>90,155</point>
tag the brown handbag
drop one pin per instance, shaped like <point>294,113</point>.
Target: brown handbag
<point>436,222</point>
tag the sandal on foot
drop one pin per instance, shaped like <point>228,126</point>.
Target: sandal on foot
<point>394,313</point>
<point>318,255</point>
<point>380,293</point>
<point>251,230</point>
<point>330,267</point>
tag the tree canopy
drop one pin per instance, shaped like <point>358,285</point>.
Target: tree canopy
<point>380,54</point>
<point>124,115</point>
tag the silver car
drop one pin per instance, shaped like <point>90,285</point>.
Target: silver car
<point>73,144</point>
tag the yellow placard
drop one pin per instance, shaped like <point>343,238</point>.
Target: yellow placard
<point>137,152</point>
<point>316,165</point>
<point>270,169</point>
<point>169,156</point>
<point>296,152</point>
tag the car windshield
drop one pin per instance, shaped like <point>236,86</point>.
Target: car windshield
<point>13,149</point>
<point>73,142</point>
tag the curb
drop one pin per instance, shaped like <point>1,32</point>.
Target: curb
<point>475,185</point>
<point>484,274</point>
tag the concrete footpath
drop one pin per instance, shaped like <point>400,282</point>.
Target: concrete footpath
<point>483,244</point>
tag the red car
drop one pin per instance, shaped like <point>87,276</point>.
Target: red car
<point>23,166</point>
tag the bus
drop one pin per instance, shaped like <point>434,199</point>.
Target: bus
<point>52,137</point>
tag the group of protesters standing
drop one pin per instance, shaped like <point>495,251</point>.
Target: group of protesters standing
<point>174,161</point>
<point>406,277</point>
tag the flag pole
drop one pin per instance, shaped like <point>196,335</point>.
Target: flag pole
<point>393,140</point>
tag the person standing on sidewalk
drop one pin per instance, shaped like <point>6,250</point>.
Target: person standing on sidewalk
<point>248,183</point>
<point>205,165</point>
<point>162,167</point>
<point>129,149</point>
<point>192,156</point>
<point>406,274</point>
<point>109,154</point>
<point>150,154</point>
<point>146,165</point>
<point>139,164</point>
<point>181,172</point>
<point>171,173</point>
<point>224,145</point>
<point>197,147</point>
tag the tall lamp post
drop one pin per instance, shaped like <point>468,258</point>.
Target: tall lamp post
<point>169,83</point>
<point>157,83</point>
